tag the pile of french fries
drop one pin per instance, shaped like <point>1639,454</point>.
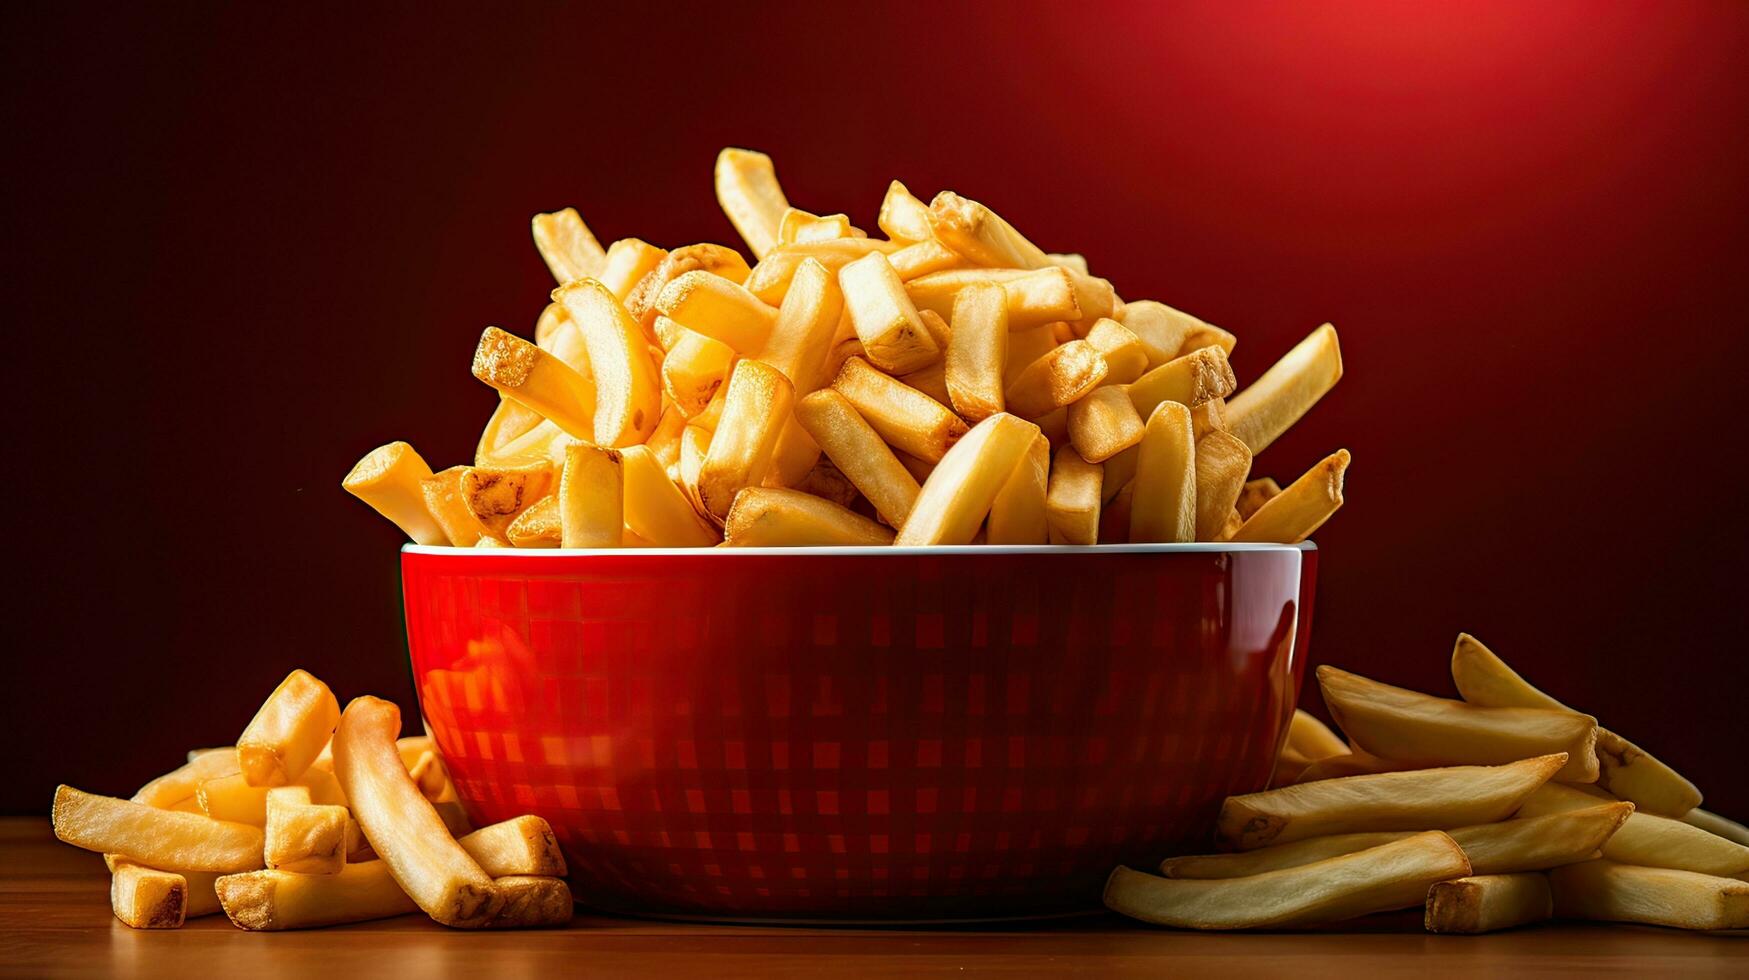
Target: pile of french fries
<point>1497,810</point>
<point>315,818</point>
<point>948,384</point>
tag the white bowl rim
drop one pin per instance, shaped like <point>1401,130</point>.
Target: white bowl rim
<point>1199,547</point>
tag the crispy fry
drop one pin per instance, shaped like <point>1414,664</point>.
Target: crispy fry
<point>628,393</point>
<point>538,380</point>
<point>981,235</point>
<point>1613,892</point>
<point>522,845</point>
<point>288,732</point>
<point>1190,380</point>
<point>755,410</point>
<point>1719,826</point>
<point>656,509</point>
<point>532,902</point>
<point>591,498</point>
<point>1126,358</point>
<point>1390,876</point>
<point>903,217</point>
<point>443,501</point>
<point>275,900</point>
<point>144,898</point>
<point>719,309</point>
<point>959,493</point>
<point>977,350</point>
<point>568,246</point>
<point>905,417</point>
<point>539,526</point>
<point>497,495</point>
<point>1287,390</point>
<point>388,479</point>
<point>1210,416</point>
<point>1164,507</point>
<point>801,339</point>
<point>1072,499</point>
<point>1161,329</point>
<point>1104,423</point>
<point>402,825</point>
<point>922,258</point>
<point>1625,769</point>
<point>771,517</point>
<point>1039,297</point>
<point>628,261</point>
<point>1648,839</point>
<point>1061,376</point>
<point>695,367</point>
<point>774,276</point>
<point>859,453</point>
<point>718,260</point>
<point>1255,494</point>
<point>1222,463</point>
<point>167,839</point>
<point>748,192</point>
<point>1419,799</point>
<point>1401,724</point>
<point>1488,903</point>
<point>302,836</point>
<point>892,334</point>
<point>1018,512</point>
<point>1292,515</point>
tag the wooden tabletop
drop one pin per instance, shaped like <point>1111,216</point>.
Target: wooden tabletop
<point>55,922</point>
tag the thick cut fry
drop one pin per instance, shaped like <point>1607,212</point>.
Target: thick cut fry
<point>1222,463</point>
<point>755,410</point>
<point>694,369</point>
<point>1126,359</point>
<point>301,836</point>
<point>960,491</point>
<point>1613,892</point>
<point>532,902</point>
<point>1164,507</point>
<point>443,501</point>
<point>538,380</point>
<point>798,226</point>
<point>1312,738</point>
<point>748,192</point>
<point>1039,297</point>
<point>275,900</point>
<point>770,517</point>
<point>568,246</point>
<point>1625,770</point>
<point>794,455</point>
<point>497,496</point>
<point>1255,494</point>
<point>903,217</point>
<point>1390,876</point>
<point>1488,903</point>
<point>591,498</point>
<point>1190,380</point>
<point>1104,423</point>
<point>977,350</point>
<point>1719,826</point>
<point>144,898</point>
<point>1059,377</point>
<point>1537,843</point>
<point>402,825</point>
<point>628,261</point>
<point>1647,839</point>
<point>922,258</point>
<point>539,526</point>
<point>628,393</point>
<point>183,784</point>
<point>1161,329</point>
<point>719,309</point>
<point>1017,514</point>
<point>522,845</point>
<point>656,509</point>
<point>892,334</point>
<point>232,798</point>
<point>1072,499</point>
<point>1024,348</point>
<point>169,839</point>
<point>906,418</point>
<point>801,338</point>
<point>1419,799</point>
<point>774,276</point>
<point>1287,390</point>
<point>388,479</point>
<point>718,260</point>
<point>1395,723</point>
<point>858,452</point>
<point>981,235</point>
<point>288,732</point>
<point>1294,514</point>
<point>1210,416</point>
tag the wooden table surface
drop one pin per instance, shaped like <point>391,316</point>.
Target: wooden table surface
<point>55,922</point>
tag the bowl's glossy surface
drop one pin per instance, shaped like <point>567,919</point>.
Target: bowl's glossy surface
<point>890,734</point>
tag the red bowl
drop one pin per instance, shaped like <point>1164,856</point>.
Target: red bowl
<point>891,734</point>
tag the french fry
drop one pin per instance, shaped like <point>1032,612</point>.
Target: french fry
<point>591,501</point>
<point>532,902</point>
<point>1072,499</point>
<point>1648,839</point>
<point>1161,329</point>
<point>1625,770</point>
<point>1104,423</point>
<point>774,276</point>
<point>387,479</point>
<point>719,309</point>
<point>1487,903</point>
<point>1164,507</point>
<point>1210,416</point>
<point>510,421</point>
<point>1420,799</point>
<point>403,826</point>
<point>892,334</point>
<point>144,898</point>
<point>919,259</point>
<point>981,235</point>
<point>628,393</point>
<point>656,509</point>
<point>497,496</point>
<point>748,192</point>
<point>1018,512</point>
<point>695,367</point>
<point>1312,738</point>
<point>977,351</point>
<point>522,845</point>
<point>1255,494</point>
<point>1190,380</point>
<point>1024,348</point>
<point>1126,358</point>
<point>1390,876</point>
<point>274,900</point>
<point>755,410</point>
<point>903,217</point>
<point>1287,390</point>
<point>232,798</point>
<point>545,443</point>
<point>858,452</point>
<point>1401,724</point>
<point>288,732</point>
<point>1294,514</point>
<point>301,836</point>
<point>798,226</point>
<point>770,517</point>
<point>443,501</point>
<point>718,260</point>
<point>1612,892</point>
<point>183,784</point>
<point>1061,376</point>
<point>1719,826</point>
<point>1039,297</point>
<point>906,418</point>
<point>958,495</point>
<point>537,380</point>
<point>539,526</point>
<point>156,838</point>
<point>801,338</point>
<point>1222,463</point>
<point>628,261</point>
<point>568,246</point>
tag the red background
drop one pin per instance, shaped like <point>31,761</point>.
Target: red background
<point>244,245</point>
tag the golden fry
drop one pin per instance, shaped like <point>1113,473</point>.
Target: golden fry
<point>1647,839</point>
<point>1126,358</point>
<point>1018,512</point>
<point>694,369</point>
<point>1190,380</point>
<point>1104,423</point>
<point>770,517</point>
<point>267,901</point>
<point>538,380</point>
<point>519,846</point>
<point>977,351</point>
<point>1164,506</point>
<point>1488,903</point>
<point>906,418</point>
<point>858,452</point>
<point>628,261</point>
<point>1718,826</point>
<point>497,495</point>
<point>1161,329</point>
<point>656,509</point>
<point>168,839</point>
<point>388,479</point>
<point>1072,499</point>
<point>568,246</point>
<point>539,526</point>
<point>1255,494</point>
<point>591,498</point>
<point>628,392</point>
<point>719,309</point>
<point>1612,892</point>
<point>1061,376</point>
<point>748,192</point>
<point>755,410</point>
<point>532,902</point>
<point>1287,390</point>
<point>892,334</point>
<point>288,732</point>
<point>981,235</point>
<point>801,338</point>
<point>1291,516</point>
<point>1222,464</point>
<point>145,898</point>
<point>903,217</point>
<point>301,836</point>
<point>958,495</point>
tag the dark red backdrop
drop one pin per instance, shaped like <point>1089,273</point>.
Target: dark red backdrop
<point>247,244</point>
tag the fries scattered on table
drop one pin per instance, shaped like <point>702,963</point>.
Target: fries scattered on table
<point>1499,810</point>
<point>316,817</point>
<point>952,323</point>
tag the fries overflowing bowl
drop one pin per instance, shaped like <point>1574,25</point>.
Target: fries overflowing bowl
<point>868,734</point>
